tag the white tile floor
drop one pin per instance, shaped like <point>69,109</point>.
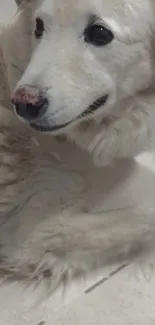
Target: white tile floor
<point>122,296</point>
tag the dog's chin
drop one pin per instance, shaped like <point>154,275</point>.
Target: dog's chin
<point>45,126</point>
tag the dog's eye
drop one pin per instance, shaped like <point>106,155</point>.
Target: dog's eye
<point>39,30</point>
<point>98,35</point>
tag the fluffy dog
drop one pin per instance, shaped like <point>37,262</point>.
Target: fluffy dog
<point>84,71</point>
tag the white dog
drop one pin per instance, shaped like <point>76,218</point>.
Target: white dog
<point>90,73</point>
<point>84,70</point>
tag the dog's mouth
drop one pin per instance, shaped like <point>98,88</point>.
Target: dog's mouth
<point>45,127</point>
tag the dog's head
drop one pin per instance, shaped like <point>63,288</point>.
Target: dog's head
<point>86,58</point>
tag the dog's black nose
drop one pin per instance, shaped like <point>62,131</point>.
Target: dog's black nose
<point>31,111</point>
<point>29,102</point>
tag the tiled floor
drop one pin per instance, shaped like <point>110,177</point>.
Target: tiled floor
<point>119,296</point>
<point>125,297</point>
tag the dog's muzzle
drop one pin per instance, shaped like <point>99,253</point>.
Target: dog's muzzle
<point>44,126</point>
<point>31,104</point>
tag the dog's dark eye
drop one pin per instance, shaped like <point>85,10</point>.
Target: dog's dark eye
<point>39,30</point>
<point>98,35</point>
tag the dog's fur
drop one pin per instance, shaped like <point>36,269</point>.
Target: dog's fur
<point>49,189</point>
<point>78,73</point>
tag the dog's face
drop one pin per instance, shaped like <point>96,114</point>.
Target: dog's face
<point>87,56</point>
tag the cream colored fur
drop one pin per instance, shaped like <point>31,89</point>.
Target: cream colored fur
<point>56,222</point>
<point>78,73</point>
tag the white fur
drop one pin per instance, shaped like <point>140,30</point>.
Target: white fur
<point>54,224</point>
<point>75,74</point>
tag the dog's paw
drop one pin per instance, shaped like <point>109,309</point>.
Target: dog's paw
<point>43,277</point>
<point>53,273</point>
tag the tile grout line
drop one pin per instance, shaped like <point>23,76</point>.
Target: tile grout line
<point>105,279</point>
